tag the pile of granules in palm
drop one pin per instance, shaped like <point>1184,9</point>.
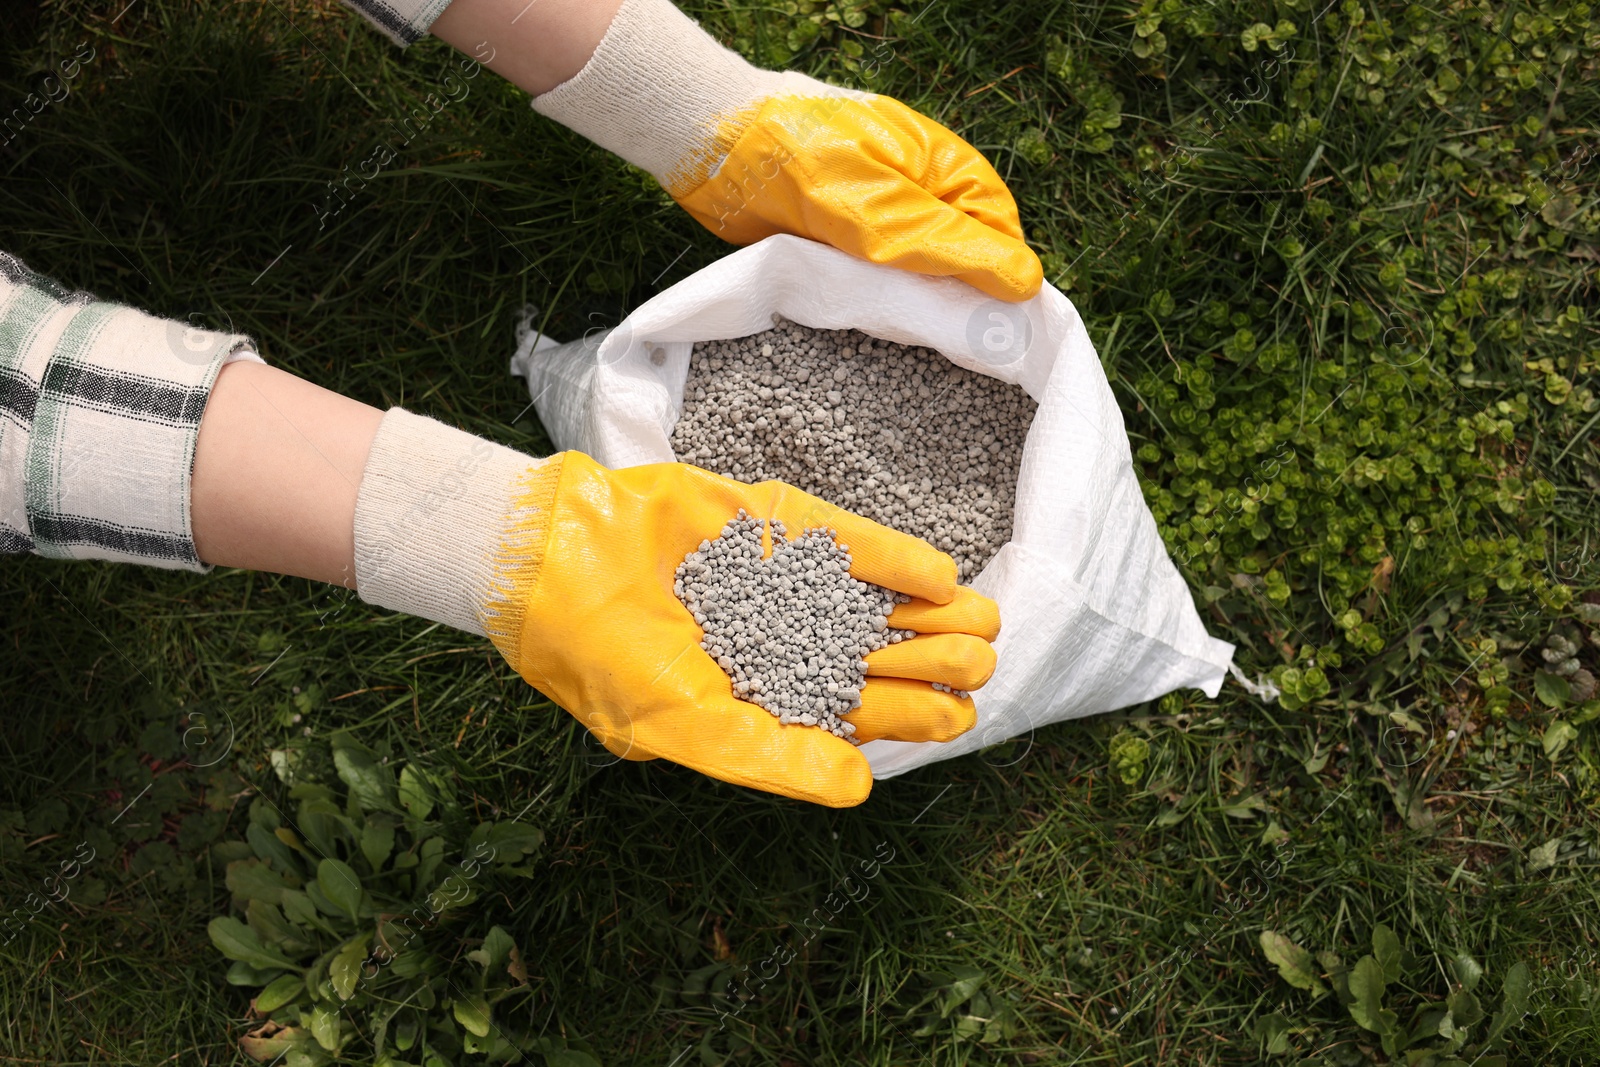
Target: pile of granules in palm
<point>893,432</point>
<point>791,630</point>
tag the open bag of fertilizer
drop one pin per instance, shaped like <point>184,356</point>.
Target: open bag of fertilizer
<point>1094,615</point>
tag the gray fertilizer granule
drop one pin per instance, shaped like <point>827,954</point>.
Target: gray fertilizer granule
<point>791,630</point>
<point>893,432</point>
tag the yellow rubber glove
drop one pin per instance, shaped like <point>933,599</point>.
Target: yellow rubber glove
<point>871,177</point>
<point>751,153</point>
<point>583,608</point>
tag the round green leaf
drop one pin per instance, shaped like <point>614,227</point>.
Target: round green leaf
<point>344,971</point>
<point>340,884</point>
<point>371,783</point>
<point>415,793</point>
<point>279,991</point>
<point>377,839</point>
<point>1387,951</point>
<point>241,973</point>
<point>237,941</point>
<point>1367,987</point>
<point>325,1026</point>
<point>1294,962</point>
<point>473,1015</point>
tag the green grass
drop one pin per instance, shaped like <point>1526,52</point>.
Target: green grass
<point>1387,241</point>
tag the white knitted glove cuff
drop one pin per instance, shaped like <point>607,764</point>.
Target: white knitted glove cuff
<point>658,88</point>
<point>432,510</point>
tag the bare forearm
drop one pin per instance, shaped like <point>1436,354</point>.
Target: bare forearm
<point>278,462</point>
<point>534,44</point>
<point>277,467</point>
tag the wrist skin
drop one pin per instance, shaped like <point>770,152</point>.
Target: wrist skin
<point>534,45</point>
<point>295,479</point>
<point>277,468</point>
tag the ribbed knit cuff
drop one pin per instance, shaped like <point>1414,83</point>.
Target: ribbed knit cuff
<point>432,516</point>
<point>661,93</point>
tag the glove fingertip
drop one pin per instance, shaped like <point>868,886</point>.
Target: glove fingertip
<point>980,614</point>
<point>899,561</point>
<point>990,660</point>
<point>854,784</point>
<point>962,717</point>
<point>986,619</point>
<point>970,612</point>
<point>1019,278</point>
<point>958,660</point>
<point>1031,277</point>
<point>842,777</point>
<point>967,721</point>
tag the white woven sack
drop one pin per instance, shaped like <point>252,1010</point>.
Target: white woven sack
<point>1094,615</point>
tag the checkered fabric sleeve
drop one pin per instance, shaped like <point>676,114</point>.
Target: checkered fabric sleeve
<point>404,22</point>
<point>100,409</point>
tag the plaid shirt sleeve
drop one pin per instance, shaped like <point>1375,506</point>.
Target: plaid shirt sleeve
<point>100,409</point>
<point>404,22</point>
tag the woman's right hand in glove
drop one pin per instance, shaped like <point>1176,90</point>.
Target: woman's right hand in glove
<point>569,568</point>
